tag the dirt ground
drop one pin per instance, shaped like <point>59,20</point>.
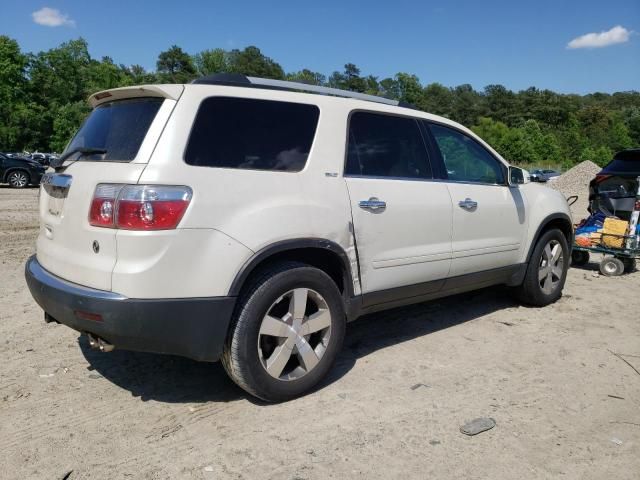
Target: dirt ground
<point>565,405</point>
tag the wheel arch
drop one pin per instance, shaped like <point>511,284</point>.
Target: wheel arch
<point>324,254</point>
<point>561,221</point>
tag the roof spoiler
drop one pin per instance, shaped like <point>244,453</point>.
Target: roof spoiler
<point>169,91</point>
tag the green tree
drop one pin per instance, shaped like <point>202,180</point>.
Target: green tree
<point>492,132</point>
<point>307,76</point>
<point>139,76</point>
<point>600,155</point>
<point>209,62</point>
<point>438,100</point>
<point>13,83</point>
<point>350,79</point>
<point>105,74</point>
<point>467,105</point>
<point>60,75</point>
<point>631,117</point>
<point>619,137</point>
<point>43,100</point>
<point>518,148</point>
<point>175,66</point>
<point>253,63</point>
<point>501,104</point>
<point>544,145</point>
<point>389,88</point>
<point>66,121</point>
<point>410,89</point>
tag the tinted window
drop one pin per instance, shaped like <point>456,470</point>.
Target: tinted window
<point>252,134</point>
<point>117,127</point>
<point>386,146</point>
<point>623,166</point>
<point>465,159</point>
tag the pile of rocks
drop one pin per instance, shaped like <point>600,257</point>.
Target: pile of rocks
<point>575,181</point>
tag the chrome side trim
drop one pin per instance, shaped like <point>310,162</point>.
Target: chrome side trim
<point>49,279</point>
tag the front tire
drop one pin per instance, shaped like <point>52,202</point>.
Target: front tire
<point>288,329</point>
<point>18,179</point>
<point>547,270</point>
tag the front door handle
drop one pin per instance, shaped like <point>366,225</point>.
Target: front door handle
<point>373,203</point>
<point>468,204</point>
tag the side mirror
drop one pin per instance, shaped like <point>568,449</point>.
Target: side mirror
<point>518,176</point>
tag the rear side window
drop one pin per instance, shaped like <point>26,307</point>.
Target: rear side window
<point>465,159</point>
<point>386,146</point>
<point>118,127</point>
<point>252,134</point>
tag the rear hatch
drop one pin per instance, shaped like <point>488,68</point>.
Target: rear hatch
<point>613,191</point>
<point>113,146</point>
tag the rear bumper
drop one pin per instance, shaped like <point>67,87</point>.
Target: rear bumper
<point>189,327</point>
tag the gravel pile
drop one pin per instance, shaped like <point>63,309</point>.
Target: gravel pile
<point>575,181</point>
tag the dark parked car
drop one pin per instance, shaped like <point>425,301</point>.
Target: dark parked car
<point>20,172</point>
<point>43,158</point>
<point>542,175</point>
<point>613,191</point>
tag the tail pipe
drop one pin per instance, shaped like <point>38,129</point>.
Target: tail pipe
<point>98,343</point>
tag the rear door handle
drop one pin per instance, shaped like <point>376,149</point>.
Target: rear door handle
<point>468,204</point>
<point>373,203</point>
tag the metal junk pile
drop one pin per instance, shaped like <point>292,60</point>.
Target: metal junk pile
<point>603,232</point>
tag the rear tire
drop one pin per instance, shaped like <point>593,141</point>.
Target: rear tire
<point>288,329</point>
<point>547,270</point>
<point>612,267</point>
<point>18,179</point>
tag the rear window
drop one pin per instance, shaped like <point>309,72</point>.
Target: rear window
<point>118,127</point>
<point>252,134</point>
<point>623,166</point>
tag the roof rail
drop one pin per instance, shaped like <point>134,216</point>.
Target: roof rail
<point>239,80</point>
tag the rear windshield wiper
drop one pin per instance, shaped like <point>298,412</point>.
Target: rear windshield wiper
<point>81,150</point>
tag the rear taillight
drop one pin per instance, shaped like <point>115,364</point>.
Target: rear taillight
<point>139,207</point>
<point>103,205</point>
<point>601,177</point>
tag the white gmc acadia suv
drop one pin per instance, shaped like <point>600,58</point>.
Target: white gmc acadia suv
<point>247,220</point>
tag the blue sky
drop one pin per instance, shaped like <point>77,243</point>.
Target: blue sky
<point>517,44</point>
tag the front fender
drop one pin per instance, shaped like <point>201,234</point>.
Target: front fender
<point>547,207</point>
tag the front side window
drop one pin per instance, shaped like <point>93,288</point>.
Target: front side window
<point>117,127</point>
<point>465,159</point>
<point>386,146</point>
<point>252,134</point>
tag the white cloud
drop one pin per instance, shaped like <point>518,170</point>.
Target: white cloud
<point>617,34</point>
<point>51,17</point>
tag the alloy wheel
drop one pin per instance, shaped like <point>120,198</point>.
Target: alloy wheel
<point>294,334</point>
<point>551,267</point>
<point>18,179</point>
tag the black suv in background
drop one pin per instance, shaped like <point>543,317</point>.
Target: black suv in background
<point>613,190</point>
<point>20,172</point>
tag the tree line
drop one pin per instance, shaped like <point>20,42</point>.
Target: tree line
<point>43,101</point>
